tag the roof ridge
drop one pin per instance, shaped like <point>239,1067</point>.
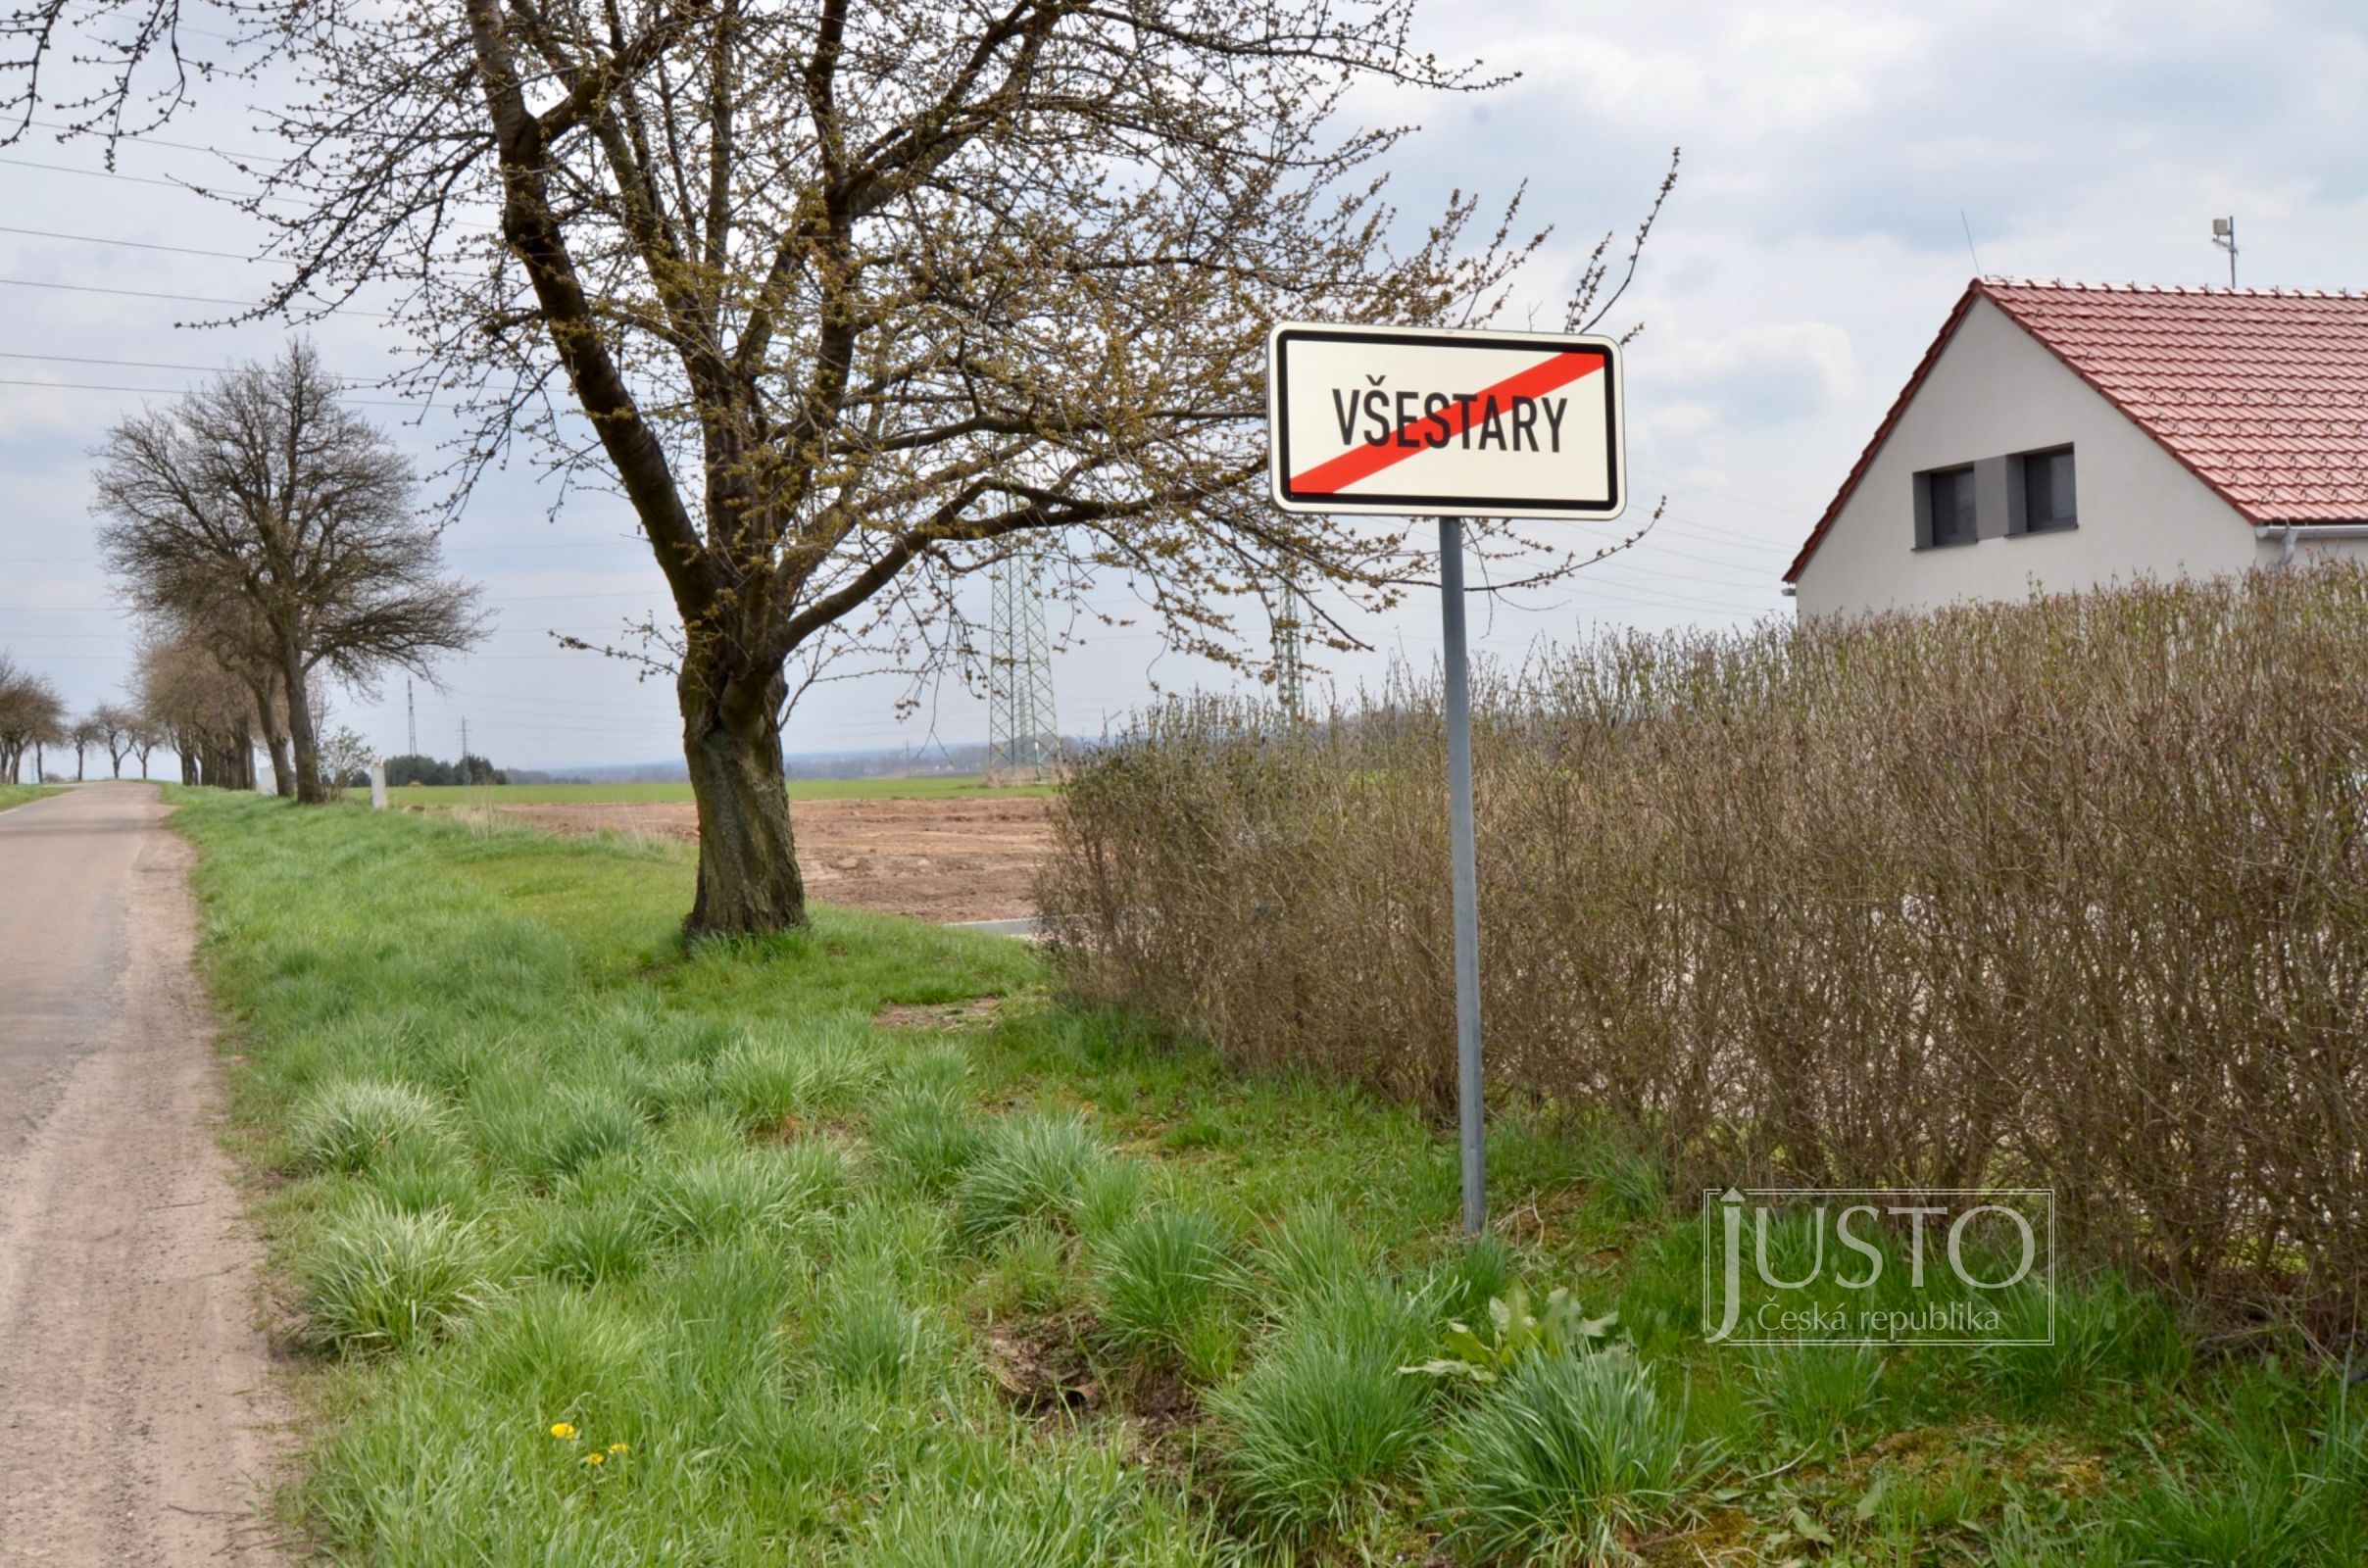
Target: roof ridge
<point>1991,281</point>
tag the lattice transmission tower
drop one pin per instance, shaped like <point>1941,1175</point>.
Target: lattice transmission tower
<point>1290,672</point>
<point>1024,734</point>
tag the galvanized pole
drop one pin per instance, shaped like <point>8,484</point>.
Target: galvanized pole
<point>1467,878</point>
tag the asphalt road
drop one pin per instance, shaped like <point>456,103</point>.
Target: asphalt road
<point>139,1417</point>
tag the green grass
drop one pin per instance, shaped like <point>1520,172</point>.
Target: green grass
<point>931,787</point>
<point>1052,1286</point>
<point>19,794</point>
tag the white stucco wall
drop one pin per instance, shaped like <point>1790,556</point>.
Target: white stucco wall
<point>1997,390</point>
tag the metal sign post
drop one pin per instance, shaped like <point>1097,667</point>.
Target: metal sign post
<point>1465,878</point>
<point>1426,422</point>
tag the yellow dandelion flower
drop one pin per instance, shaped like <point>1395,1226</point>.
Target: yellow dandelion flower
<point>596,1457</point>
<point>562,1430</point>
<point>619,1447</point>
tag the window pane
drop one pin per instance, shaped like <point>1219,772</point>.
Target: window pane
<point>2059,487</point>
<point>1951,505</point>
<point>2047,498</point>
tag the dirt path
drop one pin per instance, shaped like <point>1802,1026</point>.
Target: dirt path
<point>138,1418</point>
<point>934,860</point>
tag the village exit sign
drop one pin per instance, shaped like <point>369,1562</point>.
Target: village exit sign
<point>1446,423</point>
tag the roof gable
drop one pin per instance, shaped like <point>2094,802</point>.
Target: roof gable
<point>2261,394</point>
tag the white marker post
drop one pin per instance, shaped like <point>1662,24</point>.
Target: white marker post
<point>1424,422</point>
<point>377,783</point>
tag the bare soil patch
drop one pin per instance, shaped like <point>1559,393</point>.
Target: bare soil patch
<point>976,1014</point>
<point>943,860</point>
<point>1041,1366</point>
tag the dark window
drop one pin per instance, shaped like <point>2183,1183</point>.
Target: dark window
<point>1949,494</point>
<point>2048,500</point>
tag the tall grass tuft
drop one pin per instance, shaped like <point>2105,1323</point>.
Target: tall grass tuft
<point>926,1137</point>
<point>1322,1420</point>
<point>1032,1169</point>
<point>2107,1334</point>
<point>378,1279</point>
<point>601,1241</point>
<point>869,1338</point>
<point>1311,1249</point>
<point>350,1123</point>
<point>1561,1459</point>
<point>1816,1395</point>
<point>812,1070</point>
<point>540,1131</point>
<point>1015,1509</point>
<point>2279,1477</point>
<point>1164,1277</point>
<point>708,1198</point>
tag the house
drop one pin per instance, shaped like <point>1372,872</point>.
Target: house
<point>2057,436</point>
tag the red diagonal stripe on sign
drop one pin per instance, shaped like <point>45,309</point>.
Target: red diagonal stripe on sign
<point>1364,461</point>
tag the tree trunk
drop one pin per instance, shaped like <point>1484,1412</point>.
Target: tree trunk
<point>78,764</point>
<point>300,726</point>
<point>274,740</point>
<point>284,763</point>
<point>748,864</point>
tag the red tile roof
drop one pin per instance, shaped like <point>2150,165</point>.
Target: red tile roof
<point>2263,394</point>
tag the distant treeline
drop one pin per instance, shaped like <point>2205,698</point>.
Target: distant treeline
<point>470,769</point>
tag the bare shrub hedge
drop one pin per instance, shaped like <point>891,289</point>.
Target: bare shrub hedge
<point>2072,893</point>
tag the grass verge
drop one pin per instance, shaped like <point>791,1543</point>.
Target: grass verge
<point>800,1251</point>
<point>19,794</point>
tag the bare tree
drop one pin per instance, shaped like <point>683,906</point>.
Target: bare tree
<point>144,737</point>
<point>82,737</point>
<point>850,300</point>
<point>111,727</point>
<point>198,708</point>
<point>31,716</point>
<point>257,505</point>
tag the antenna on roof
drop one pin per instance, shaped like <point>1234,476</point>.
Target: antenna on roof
<point>1969,250</point>
<point>2224,235</point>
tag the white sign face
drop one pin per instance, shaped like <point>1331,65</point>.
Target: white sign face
<point>1412,419</point>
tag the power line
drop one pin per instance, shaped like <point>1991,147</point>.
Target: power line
<point>182,391</point>
<point>146,245</point>
<point>186,299</point>
<point>146,180</point>
<point>128,293</point>
<point>157,141</point>
<point>1724,495</point>
<point>152,365</point>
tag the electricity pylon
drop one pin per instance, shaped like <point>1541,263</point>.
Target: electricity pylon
<point>1290,675</point>
<point>1023,735</point>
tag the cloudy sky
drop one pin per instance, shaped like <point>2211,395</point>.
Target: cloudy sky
<point>1836,155</point>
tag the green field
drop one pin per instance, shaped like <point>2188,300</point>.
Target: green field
<point>854,1246</point>
<point>934,787</point>
<point>19,794</point>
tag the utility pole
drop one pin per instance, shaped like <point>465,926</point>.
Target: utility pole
<point>2224,235</point>
<point>464,747</point>
<point>411,710</point>
<point>1023,735</point>
<point>1290,675</point>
